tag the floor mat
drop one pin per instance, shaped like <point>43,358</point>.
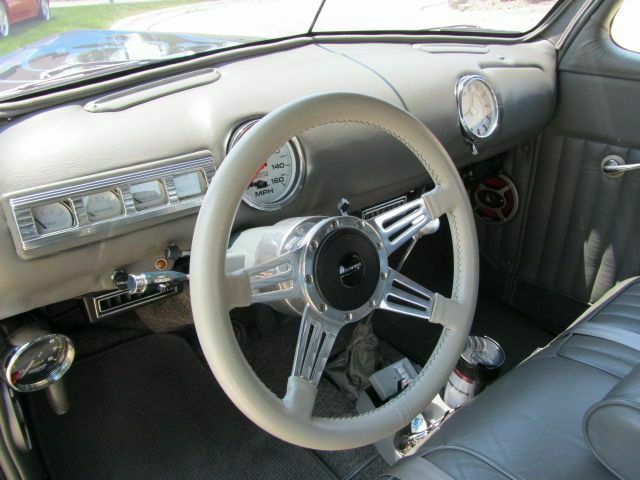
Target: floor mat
<point>272,358</point>
<point>149,409</point>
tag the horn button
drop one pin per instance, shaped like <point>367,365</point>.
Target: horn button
<point>347,269</point>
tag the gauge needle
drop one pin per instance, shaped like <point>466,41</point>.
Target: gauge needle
<point>258,184</point>
<point>28,367</point>
<point>264,165</point>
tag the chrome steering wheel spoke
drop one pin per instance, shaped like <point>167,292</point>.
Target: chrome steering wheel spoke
<point>315,341</point>
<point>275,279</point>
<point>270,281</point>
<point>406,297</point>
<point>414,219</point>
<point>398,226</point>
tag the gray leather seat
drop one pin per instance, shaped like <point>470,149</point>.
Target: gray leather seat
<point>531,423</point>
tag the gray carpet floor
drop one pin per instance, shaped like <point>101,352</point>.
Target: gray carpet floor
<point>148,409</point>
<point>146,406</point>
<point>272,359</point>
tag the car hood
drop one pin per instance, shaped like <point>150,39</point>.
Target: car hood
<point>62,52</point>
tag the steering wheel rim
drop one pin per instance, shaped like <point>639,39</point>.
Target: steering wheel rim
<point>214,292</point>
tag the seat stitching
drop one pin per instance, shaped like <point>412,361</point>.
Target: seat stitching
<point>619,314</point>
<point>631,293</point>
<point>589,364</point>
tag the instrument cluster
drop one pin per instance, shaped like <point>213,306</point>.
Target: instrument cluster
<point>47,220</point>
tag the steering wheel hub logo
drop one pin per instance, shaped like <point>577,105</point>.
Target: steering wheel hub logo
<point>351,270</point>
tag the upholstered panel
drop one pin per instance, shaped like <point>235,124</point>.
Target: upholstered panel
<point>583,227</point>
<point>499,243</point>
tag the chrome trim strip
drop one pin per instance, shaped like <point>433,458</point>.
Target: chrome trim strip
<point>96,311</point>
<point>31,239</point>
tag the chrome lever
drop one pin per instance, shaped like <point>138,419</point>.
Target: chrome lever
<point>614,166</point>
<point>409,443</point>
<point>150,281</point>
<point>621,168</point>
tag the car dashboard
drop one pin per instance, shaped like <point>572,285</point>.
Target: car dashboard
<point>105,184</point>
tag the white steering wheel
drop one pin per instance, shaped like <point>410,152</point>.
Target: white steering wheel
<point>335,269</point>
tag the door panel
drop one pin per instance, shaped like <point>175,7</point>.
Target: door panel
<point>583,227</point>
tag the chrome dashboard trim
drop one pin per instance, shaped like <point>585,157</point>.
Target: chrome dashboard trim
<point>28,239</point>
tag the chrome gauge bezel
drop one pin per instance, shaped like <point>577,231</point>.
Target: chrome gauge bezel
<point>461,85</point>
<point>300,171</point>
<point>15,353</point>
<point>30,243</point>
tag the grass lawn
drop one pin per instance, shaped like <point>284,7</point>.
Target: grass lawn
<point>78,18</point>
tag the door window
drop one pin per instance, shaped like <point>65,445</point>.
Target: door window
<point>624,29</point>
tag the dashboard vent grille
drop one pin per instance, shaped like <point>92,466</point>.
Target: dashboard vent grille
<point>372,212</point>
<point>117,301</point>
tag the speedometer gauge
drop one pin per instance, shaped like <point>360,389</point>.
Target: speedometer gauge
<point>477,107</point>
<point>279,178</point>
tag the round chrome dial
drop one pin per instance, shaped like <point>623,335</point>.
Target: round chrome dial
<point>477,107</point>
<point>38,363</point>
<point>279,178</point>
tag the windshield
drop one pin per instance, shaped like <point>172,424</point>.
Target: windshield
<point>46,43</point>
<point>509,16</point>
